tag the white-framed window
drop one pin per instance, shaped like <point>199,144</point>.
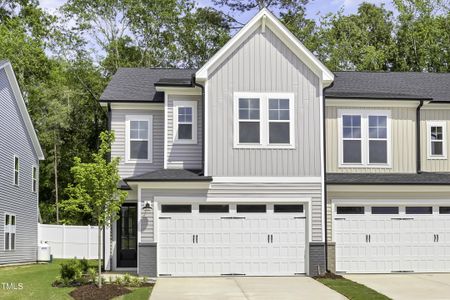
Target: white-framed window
<point>10,232</point>
<point>34,176</point>
<point>16,170</point>
<point>437,139</point>
<point>264,120</point>
<point>139,138</point>
<point>185,122</point>
<point>364,138</point>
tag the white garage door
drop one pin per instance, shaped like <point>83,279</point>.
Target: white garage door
<point>214,240</point>
<point>380,239</point>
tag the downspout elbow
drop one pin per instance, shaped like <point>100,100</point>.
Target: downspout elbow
<point>202,87</point>
<point>418,150</point>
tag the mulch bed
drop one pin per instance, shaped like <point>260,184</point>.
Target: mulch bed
<point>328,275</point>
<point>92,292</point>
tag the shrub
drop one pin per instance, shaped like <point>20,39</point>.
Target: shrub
<point>92,274</point>
<point>126,279</point>
<point>71,270</point>
<point>84,265</point>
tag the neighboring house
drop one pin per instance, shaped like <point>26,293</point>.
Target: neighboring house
<point>388,180</point>
<point>20,153</point>
<point>225,165</point>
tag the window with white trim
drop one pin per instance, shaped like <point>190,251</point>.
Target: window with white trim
<point>364,138</point>
<point>16,170</point>
<point>10,232</point>
<point>264,120</point>
<point>437,139</point>
<point>185,122</point>
<point>138,146</point>
<point>34,179</point>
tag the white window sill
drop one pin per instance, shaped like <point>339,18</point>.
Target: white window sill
<point>259,146</point>
<point>369,166</point>
<point>437,157</point>
<point>138,161</point>
<point>185,142</point>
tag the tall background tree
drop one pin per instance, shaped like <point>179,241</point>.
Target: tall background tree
<point>63,61</point>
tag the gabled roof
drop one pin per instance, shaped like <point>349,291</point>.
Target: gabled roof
<point>266,18</point>
<point>138,84</point>
<point>169,175</point>
<point>390,85</point>
<point>6,65</point>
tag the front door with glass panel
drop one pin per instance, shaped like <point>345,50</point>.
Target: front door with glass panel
<point>127,236</point>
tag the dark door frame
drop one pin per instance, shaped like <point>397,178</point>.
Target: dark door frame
<point>120,263</point>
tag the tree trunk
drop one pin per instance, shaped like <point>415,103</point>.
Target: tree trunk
<point>99,260</point>
<point>55,169</point>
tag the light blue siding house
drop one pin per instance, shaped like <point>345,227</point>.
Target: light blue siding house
<point>20,153</point>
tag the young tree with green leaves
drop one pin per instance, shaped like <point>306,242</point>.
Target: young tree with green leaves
<point>96,190</point>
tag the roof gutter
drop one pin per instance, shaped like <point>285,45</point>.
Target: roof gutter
<point>324,159</point>
<point>418,152</point>
<point>194,84</point>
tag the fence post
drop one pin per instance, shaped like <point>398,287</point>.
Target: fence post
<point>89,242</point>
<point>64,241</point>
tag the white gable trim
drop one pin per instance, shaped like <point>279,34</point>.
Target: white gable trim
<point>267,19</point>
<point>23,109</point>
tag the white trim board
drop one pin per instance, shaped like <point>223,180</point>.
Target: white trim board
<point>23,109</point>
<point>256,179</point>
<point>266,19</point>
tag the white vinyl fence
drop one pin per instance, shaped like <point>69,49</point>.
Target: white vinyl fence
<point>72,241</point>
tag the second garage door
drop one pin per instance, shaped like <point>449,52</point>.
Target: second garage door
<point>243,239</point>
<point>382,239</point>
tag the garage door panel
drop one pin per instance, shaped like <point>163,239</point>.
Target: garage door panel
<point>242,243</point>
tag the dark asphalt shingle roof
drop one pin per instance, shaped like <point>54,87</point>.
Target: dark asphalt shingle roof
<point>391,85</point>
<point>169,175</point>
<point>391,178</point>
<point>138,84</point>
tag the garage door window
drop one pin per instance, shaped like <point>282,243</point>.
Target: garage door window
<point>350,210</point>
<point>384,210</point>
<point>444,210</point>
<point>288,208</point>
<point>214,208</point>
<point>176,208</point>
<point>246,208</point>
<point>419,210</point>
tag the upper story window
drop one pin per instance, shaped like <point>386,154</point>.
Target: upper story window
<point>16,170</point>
<point>10,232</point>
<point>138,146</point>
<point>185,122</point>
<point>437,139</point>
<point>34,179</point>
<point>264,120</point>
<point>364,138</point>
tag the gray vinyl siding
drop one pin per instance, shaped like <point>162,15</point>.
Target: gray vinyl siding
<point>118,117</point>
<point>281,191</point>
<point>434,165</point>
<point>147,219</point>
<point>18,200</point>
<point>263,63</point>
<point>403,141</point>
<point>185,156</point>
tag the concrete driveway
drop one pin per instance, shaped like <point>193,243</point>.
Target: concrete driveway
<point>407,286</point>
<point>242,288</point>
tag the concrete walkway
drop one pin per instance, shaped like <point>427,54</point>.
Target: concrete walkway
<point>242,288</point>
<point>407,286</point>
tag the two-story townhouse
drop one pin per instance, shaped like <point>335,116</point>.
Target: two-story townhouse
<point>224,164</point>
<point>20,153</point>
<point>388,172</point>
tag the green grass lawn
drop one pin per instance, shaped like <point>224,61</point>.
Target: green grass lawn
<point>37,279</point>
<point>352,290</point>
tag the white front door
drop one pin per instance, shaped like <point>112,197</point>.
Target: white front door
<point>254,243</point>
<point>404,238</point>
